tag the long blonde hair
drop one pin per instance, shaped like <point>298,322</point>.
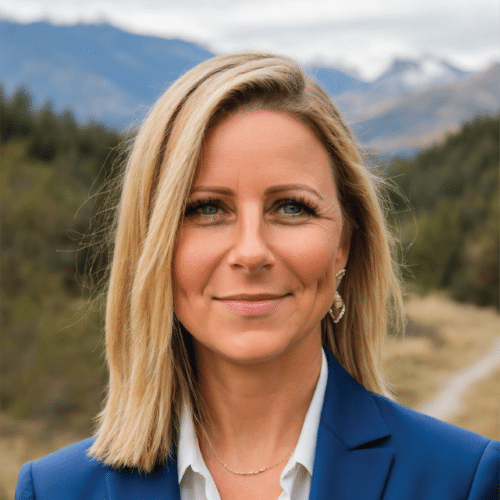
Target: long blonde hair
<point>148,352</point>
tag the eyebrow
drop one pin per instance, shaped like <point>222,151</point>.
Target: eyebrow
<point>270,190</point>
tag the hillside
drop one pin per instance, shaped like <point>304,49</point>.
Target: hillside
<point>451,235</point>
<point>49,165</point>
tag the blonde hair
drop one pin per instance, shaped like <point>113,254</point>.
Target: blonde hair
<point>149,355</point>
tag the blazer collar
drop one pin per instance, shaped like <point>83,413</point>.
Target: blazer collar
<point>351,460</point>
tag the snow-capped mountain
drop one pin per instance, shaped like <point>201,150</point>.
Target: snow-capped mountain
<point>103,73</point>
<point>417,74</point>
<point>419,119</point>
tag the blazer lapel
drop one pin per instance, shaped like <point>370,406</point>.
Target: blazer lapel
<point>161,484</point>
<point>350,461</point>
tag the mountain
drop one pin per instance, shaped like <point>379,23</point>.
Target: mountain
<point>106,74</point>
<point>417,120</point>
<point>99,71</point>
<point>336,82</point>
<point>405,75</point>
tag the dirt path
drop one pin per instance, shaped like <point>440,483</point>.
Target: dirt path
<point>447,403</point>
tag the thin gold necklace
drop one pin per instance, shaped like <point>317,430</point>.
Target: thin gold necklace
<point>240,473</point>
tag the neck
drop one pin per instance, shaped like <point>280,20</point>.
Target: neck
<point>257,410</point>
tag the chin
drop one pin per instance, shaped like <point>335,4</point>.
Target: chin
<point>257,347</point>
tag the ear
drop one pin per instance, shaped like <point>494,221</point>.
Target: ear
<point>343,250</point>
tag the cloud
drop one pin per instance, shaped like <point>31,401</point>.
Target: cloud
<point>368,42</point>
<point>365,33</point>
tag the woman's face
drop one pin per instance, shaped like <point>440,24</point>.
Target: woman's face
<point>256,254</point>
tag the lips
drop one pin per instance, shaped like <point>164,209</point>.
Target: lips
<point>252,297</point>
<point>252,305</point>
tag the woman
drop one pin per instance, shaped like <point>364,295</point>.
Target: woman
<point>247,307</point>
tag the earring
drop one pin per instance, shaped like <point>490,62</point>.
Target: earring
<point>338,303</point>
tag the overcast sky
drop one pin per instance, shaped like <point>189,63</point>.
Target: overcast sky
<point>361,35</point>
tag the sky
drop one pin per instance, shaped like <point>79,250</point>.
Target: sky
<point>360,36</point>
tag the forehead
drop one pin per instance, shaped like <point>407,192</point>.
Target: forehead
<point>267,142</point>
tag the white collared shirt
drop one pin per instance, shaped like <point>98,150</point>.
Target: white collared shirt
<point>197,483</point>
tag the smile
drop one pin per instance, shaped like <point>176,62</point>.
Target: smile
<point>253,306</point>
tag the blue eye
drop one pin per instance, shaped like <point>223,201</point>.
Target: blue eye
<point>208,209</point>
<point>292,208</point>
<point>297,207</point>
<point>204,208</point>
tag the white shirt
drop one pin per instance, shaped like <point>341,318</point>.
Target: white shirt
<point>197,483</point>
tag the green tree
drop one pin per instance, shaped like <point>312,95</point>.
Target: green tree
<point>451,235</point>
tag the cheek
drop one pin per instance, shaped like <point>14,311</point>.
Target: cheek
<point>194,259</point>
<point>312,257</point>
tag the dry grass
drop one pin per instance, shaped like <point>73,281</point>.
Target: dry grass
<point>454,336</point>
<point>481,411</point>
<point>417,366</point>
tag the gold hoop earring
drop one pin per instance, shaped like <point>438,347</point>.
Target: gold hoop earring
<point>338,303</point>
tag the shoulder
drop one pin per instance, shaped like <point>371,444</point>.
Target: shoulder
<point>409,425</point>
<point>67,471</point>
<point>444,453</point>
<point>71,474</point>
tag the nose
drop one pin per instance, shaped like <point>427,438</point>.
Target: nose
<point>250,249</point>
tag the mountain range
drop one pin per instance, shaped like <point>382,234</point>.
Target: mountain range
<point>106,74</point>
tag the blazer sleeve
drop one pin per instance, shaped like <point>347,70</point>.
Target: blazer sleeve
<point>24,488</point>
<point>486,483</point>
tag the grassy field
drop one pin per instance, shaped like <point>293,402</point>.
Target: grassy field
<point>481,411</point>
<point>442,338</point>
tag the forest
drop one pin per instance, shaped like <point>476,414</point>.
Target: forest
<point>448,214</point>
<point>52,177</point>
<point>56,177</point>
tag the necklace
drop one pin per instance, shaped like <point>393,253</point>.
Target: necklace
<point>240,473</point>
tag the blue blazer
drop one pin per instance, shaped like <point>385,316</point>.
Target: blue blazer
<point>368,448</point>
